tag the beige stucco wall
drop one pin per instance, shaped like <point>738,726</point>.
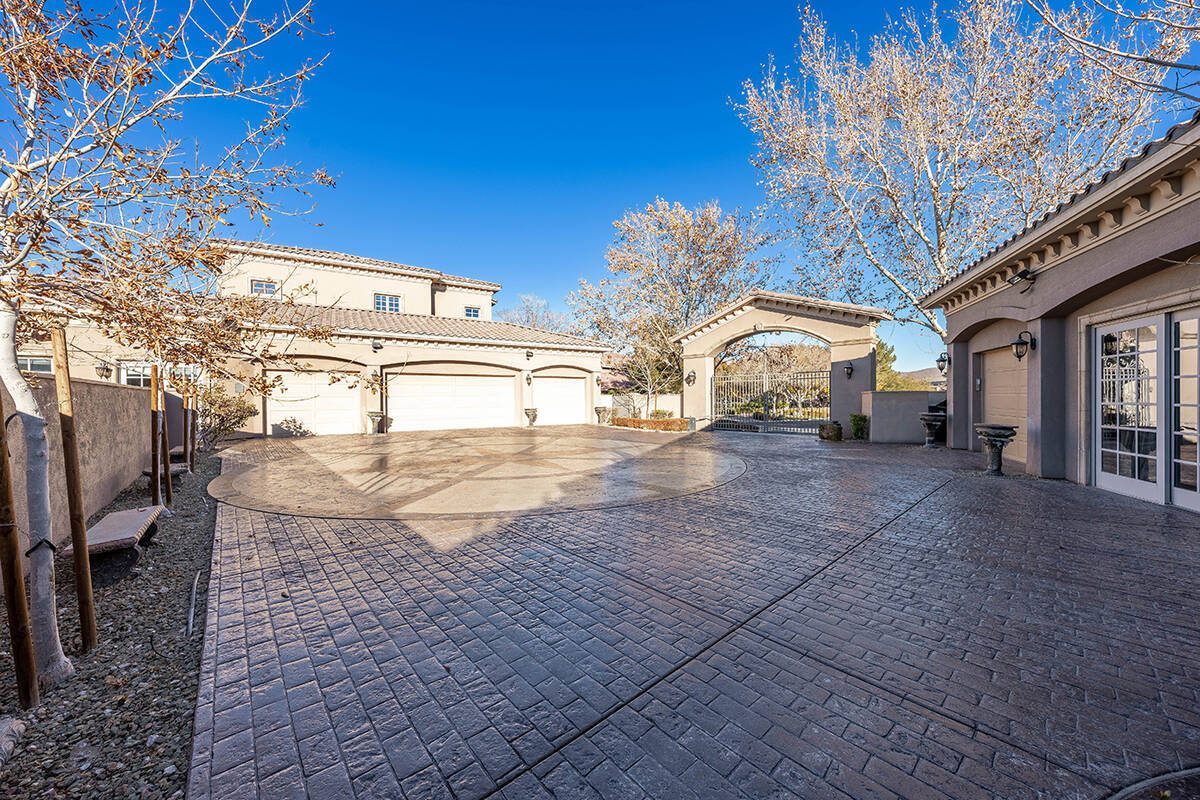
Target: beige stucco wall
<point>344,287</point>
<point>112,426</point>
<point>451,301</point>
<point>896,416</point>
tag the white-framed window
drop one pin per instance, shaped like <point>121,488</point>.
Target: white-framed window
<point>471,312</point>
<point>135,374</point>
<point>35,364</point>
<point>389,302</point>
<point>265,288</point>
<point>191,372</point>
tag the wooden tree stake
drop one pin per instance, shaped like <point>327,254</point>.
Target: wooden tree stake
<point>166,449</point>
<point>155,487</point>
<point>187,425</point>
<point>193,431</point>
<point>14,585</point>
<point>79,544</point>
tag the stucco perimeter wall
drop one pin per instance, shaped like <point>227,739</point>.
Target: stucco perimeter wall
<point>895,416</point>
<point>112,424</point>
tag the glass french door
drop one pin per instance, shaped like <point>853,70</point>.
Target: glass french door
<point>1130,360</point>
<point>1185,408</point>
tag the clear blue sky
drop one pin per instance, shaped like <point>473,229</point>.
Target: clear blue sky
<point>500,140</point>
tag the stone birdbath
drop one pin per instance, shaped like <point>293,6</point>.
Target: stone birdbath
<point>995,437</point>
<point>602,413</point>
<point>931,421</point>
<point>531,415</point>
<point>376,418</point>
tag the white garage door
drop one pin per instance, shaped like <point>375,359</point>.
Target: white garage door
<point>442,402</point>
<point>560,401</point>
<point>318,405</point>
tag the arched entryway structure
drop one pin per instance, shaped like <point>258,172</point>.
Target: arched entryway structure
<point>848,329</point>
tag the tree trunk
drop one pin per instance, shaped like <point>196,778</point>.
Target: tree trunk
<point>52,664</point>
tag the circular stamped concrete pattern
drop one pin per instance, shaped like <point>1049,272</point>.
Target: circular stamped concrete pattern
<point>477,473</point>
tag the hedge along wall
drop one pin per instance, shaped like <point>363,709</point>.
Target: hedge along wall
<point>651,424</point>
<point>112,426</point>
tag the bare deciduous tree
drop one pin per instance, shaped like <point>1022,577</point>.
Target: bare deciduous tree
<point>1125,39</point>
<point>671,267</point>
<point>105,217</point>
<point>535,312</point>
<point>897,170</point>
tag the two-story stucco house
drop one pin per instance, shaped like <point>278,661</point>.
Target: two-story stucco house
<point>429,336</point>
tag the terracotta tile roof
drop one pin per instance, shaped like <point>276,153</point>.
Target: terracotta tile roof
<point>334,258</point>
<point>1151,147</point>
<point>432,328</point>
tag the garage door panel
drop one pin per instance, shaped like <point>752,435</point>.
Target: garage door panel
<point>560,401</point>
<point>320,406</point>
<point>446,402</point>
<point>1004,397</point>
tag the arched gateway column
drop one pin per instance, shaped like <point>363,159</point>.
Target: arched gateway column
<point>848,329</point>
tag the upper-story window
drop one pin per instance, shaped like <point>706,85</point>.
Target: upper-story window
<point>34,364</point>
<point>471,311</point>
<point>267,288</point>
<point>389,302</point>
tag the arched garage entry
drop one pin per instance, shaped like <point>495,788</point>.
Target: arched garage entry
<point>848,329</point>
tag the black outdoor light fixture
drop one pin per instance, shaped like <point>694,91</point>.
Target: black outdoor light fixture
<point>942,362</point>
<point>690,380</point>
<point>1022,345</point>
<point>529,354</point>
<point>376,345</point>
<point>849,370</point>
<point>104,370</point>
<point>1022,275</point>
<point>528,379</point>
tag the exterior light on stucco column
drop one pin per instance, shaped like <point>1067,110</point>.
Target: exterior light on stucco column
<point>690,380</point>
<point>849,370</point>
<point>1022,345</point>
<point>942,362</point>
<point>528,379</point>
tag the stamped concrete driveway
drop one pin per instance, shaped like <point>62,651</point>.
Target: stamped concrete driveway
<point>709,616</point>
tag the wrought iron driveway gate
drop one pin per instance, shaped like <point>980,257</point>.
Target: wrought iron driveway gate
<point>771,402</point>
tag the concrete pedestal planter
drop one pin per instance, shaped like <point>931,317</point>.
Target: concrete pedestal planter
<point>995,438</point>
<point>931,421</point>
<point>376,418</point>
<point>602,414</point>
<point>531,415</point>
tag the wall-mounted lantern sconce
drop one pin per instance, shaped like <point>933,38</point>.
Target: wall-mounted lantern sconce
<point>104,371</point>
<point>376,345</point>
<point>529,354</point>
<point>1022,276</point>
<point>849,370</point>
<point>528,379</point>
<point>690,380</point>
<point>942,362</point>
<point>1022,345</point>
<point>597,379</point>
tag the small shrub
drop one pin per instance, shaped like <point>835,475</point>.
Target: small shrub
<point>294,427</point>
<point>860,425</point>
<point>221,414</point>
<point>661,413</point>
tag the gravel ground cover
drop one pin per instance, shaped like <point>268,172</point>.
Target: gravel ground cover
<point>121,726</point>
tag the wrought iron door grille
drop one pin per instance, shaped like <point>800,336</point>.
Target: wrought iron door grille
<point>795,402</point>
